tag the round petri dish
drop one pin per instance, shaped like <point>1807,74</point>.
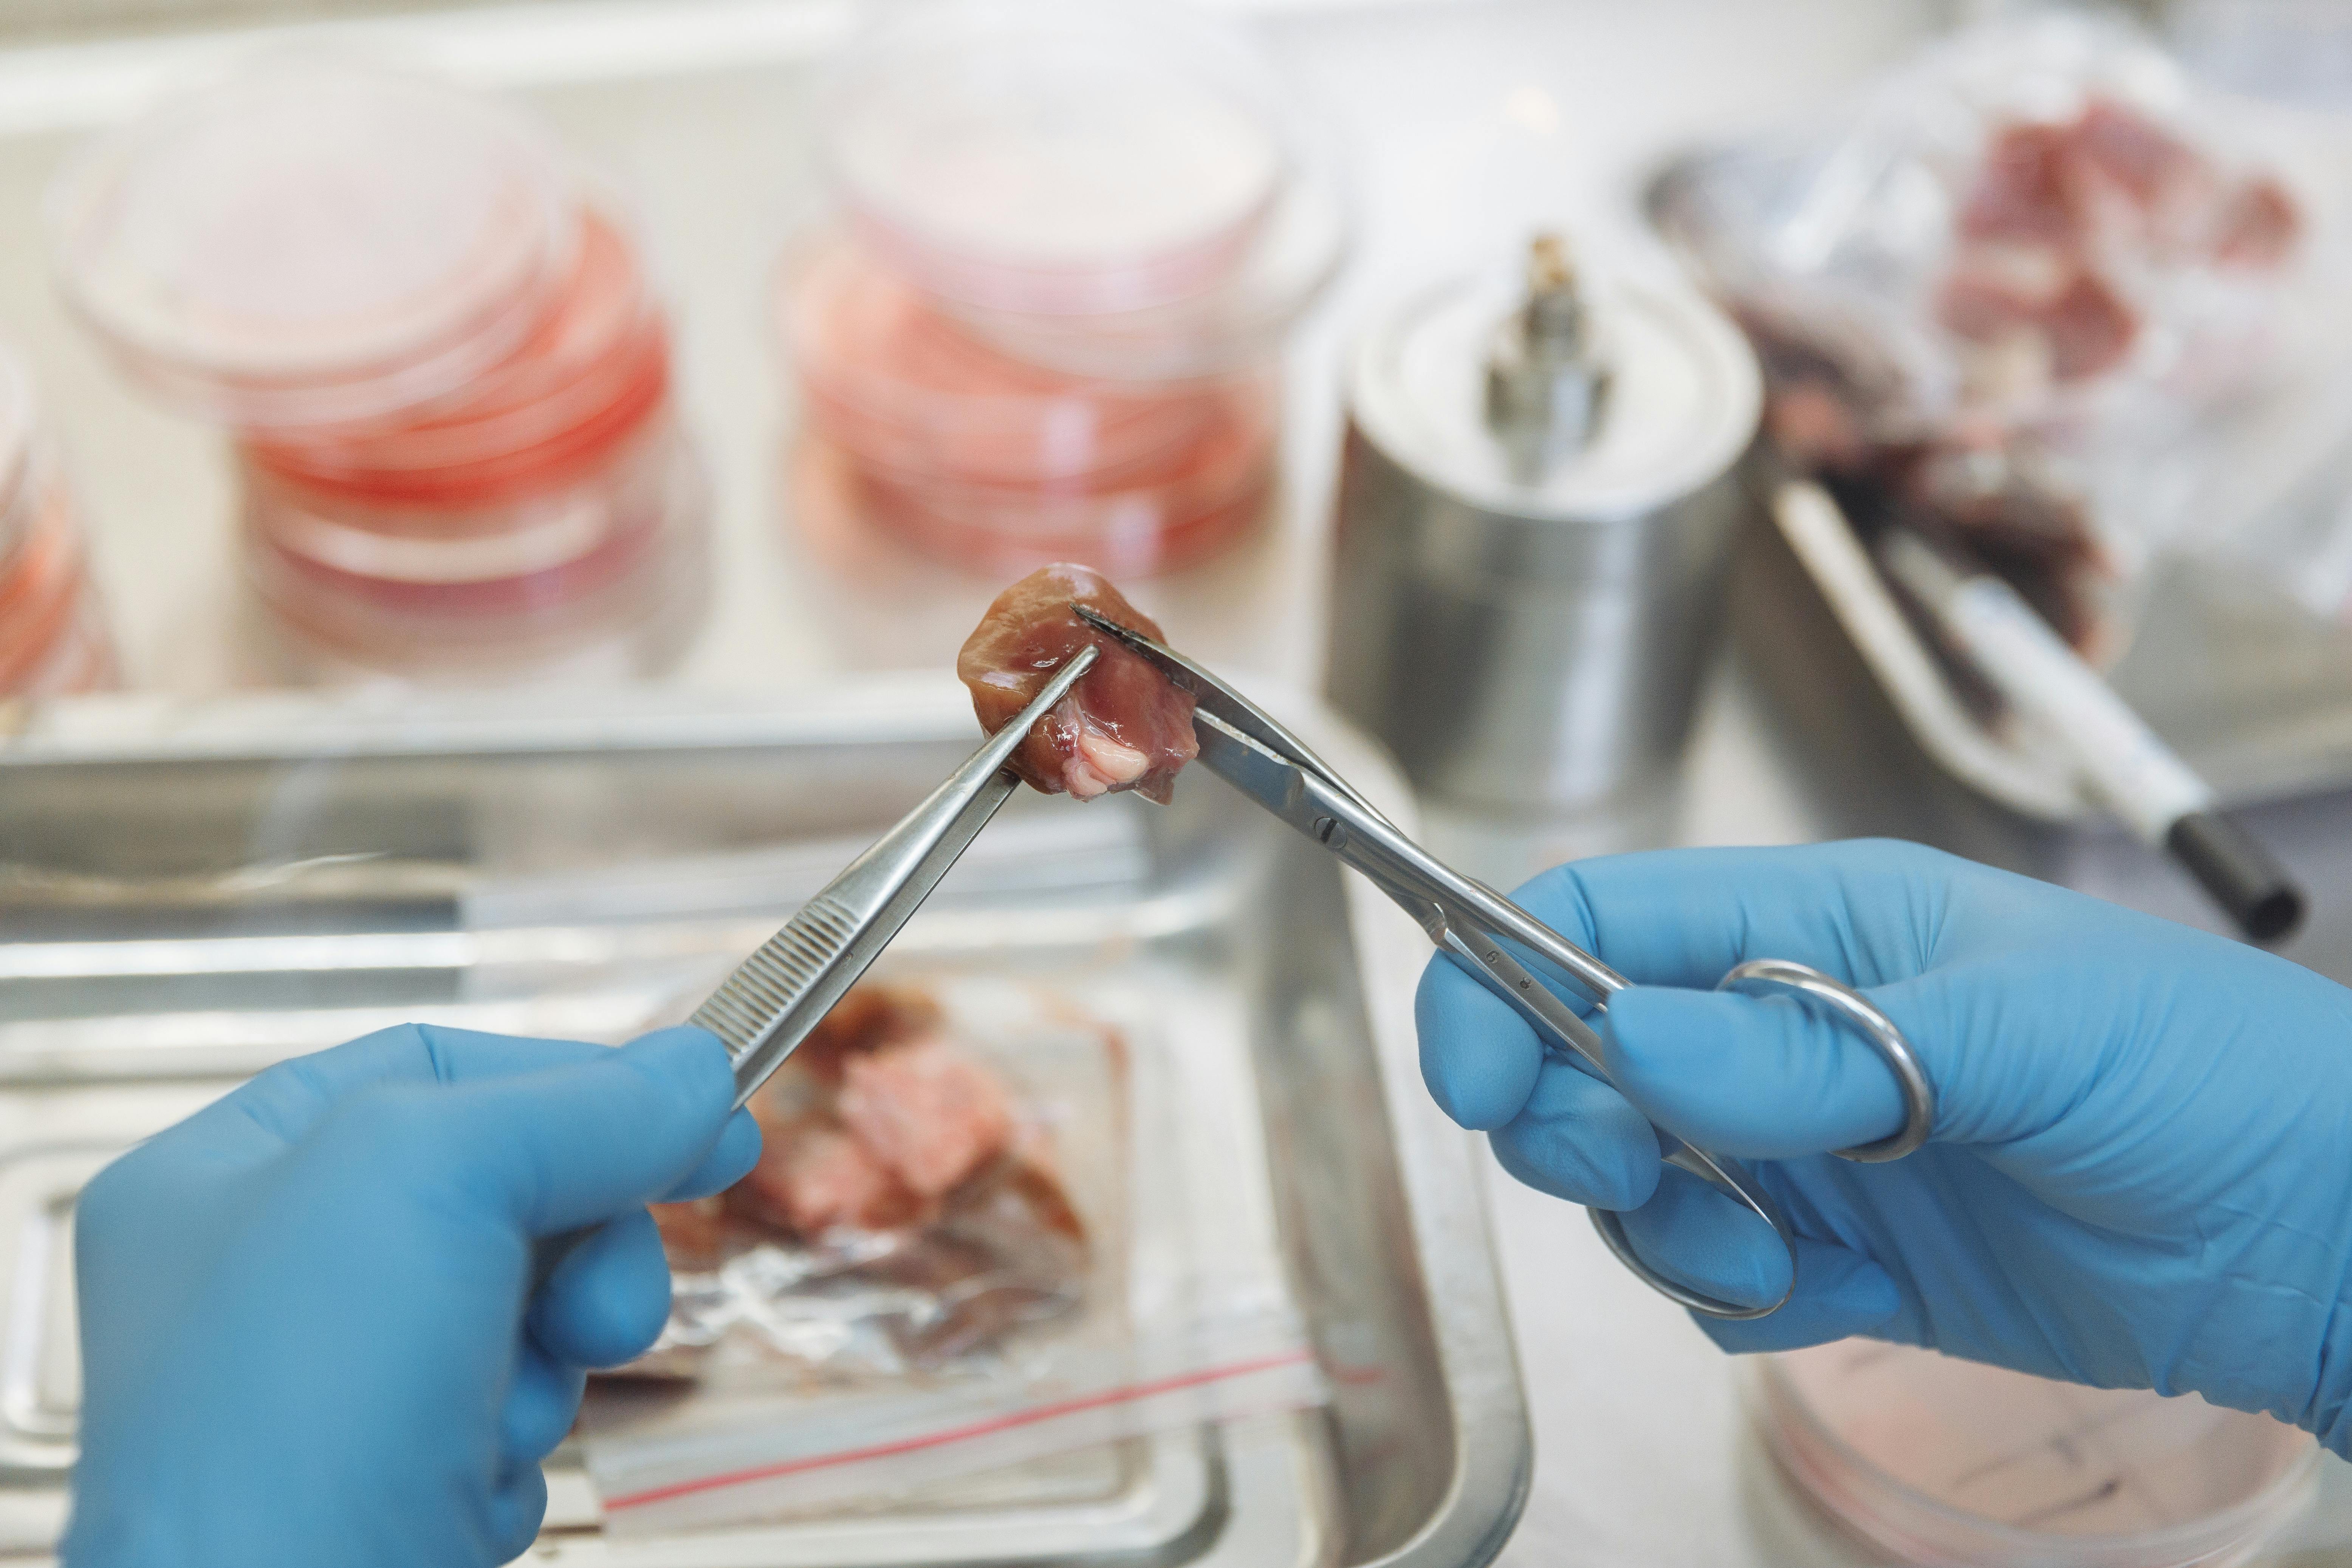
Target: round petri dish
<point>411,550</point>
<point>82,661</point>
<point>53,636</point>
<point>887,375</point>
<point>625,605</point>
<point>594,371</point>
<point>1242,316</point>
<point>22,490</point>
<point>310,240</point>
<point>45,596</point>
<point>1055,156</point>
<point>1196,502</point>
<point>1933,1460</point>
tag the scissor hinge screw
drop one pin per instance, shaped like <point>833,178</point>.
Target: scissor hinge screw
<point>1331,831</point>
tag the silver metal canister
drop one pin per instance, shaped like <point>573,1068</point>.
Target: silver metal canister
<point>1535,505</point>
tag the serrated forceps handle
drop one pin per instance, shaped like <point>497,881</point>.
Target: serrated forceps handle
<point>771,1002</point>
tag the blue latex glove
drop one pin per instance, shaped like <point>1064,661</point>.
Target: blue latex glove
<point>2141,1174</point>
<point>309,1331</point>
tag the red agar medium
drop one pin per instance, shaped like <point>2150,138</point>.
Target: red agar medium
<point>903,384</point>
<point>531,505</point>
<point>625,605</point>
<point>982,459</point>
<point>40,589</point>
<point>1048,322</point>
<point>52,638</point>
<point>594,370</point>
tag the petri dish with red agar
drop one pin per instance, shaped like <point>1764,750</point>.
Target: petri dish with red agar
<point>1048,319</point>
<point>1927,1460</point>
<point>1062,157</point>
<point>312,241</point>
<point>437,351</point>
<point>53,635</point>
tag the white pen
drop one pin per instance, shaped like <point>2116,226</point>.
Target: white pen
<point>2123,762</point>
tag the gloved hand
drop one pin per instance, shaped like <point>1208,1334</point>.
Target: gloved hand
<point>2141,1171</point>
<point>308,1330</point>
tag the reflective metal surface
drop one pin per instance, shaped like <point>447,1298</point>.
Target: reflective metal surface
<point>776,996</point>
<point>1535,647</point>
<point>192,891</point>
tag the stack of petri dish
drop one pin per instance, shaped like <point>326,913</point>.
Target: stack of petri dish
<point>53,637</point>
<point>439,354</point>
<point>1047,320</point>
<point>1921,1459</point>
<point>53,628</point>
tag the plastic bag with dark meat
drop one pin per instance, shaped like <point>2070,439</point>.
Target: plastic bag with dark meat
<point>2001,504</point>
<point>901,1214</point>
<point>1123,727</point>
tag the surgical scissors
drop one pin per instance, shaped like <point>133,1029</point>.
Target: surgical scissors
<point>1481,928</point>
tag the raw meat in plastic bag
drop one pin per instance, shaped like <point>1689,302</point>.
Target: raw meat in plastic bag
<point>1185,1318</point>
<point>902,1214</point>
<point>1991,301</point>
<point>1124,727</point>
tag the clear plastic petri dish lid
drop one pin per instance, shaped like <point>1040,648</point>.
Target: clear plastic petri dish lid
<point>1059,157</point>
<point>312,240</point>
<point>1934,1460</point>
<point>1240,317</point>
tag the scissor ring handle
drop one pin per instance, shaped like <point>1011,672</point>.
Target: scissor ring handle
<point>1727,1180</point>
<point>1783,976</point>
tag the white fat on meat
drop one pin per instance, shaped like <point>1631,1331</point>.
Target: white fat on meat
<point>1098,765</point>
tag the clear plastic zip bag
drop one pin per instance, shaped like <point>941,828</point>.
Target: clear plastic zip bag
<point>1999,298</point>
<point>1058,1295</point>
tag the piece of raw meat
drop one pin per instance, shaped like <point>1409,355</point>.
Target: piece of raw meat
<point>814,1175</point>
<point>903,1214</point>
<point>2258,224</point>
<point>873,1130</point>
<point>1994,292</point>
<point>2148,163</point>
<point>1123,727</point>
<point>868,1018</point>
<point>930,1114</point>
<point>2089,328</point>
<point>2031,190</point>
<point>2000,503</point>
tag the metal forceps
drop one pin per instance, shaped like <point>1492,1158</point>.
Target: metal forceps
<point>767,1007</point>
<point>1249,750</point>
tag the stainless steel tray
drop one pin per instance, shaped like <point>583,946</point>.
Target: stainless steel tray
<point>192,889</point>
